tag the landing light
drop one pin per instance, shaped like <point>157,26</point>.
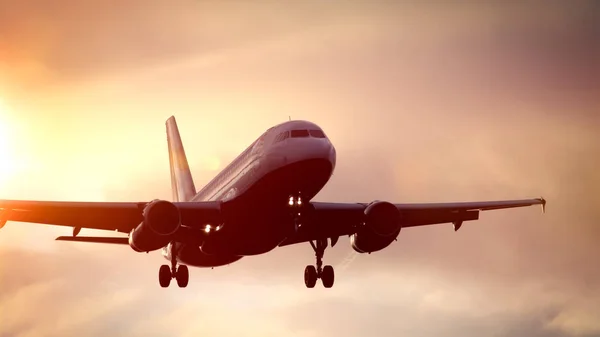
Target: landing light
<point>291,201</point>
<point>299,201</point>
<point>207,228</point>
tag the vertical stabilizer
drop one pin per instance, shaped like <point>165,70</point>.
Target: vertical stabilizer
<point>182,183</point>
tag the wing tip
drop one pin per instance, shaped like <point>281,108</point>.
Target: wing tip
<point>543,203</point>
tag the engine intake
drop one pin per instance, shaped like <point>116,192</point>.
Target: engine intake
<point>382,226</point>
<point>162,217</point>
<point>382,218</point>
<point>161,220</point>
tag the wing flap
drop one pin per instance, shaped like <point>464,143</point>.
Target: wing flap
<point>92,239</point>
<point>413,219</point>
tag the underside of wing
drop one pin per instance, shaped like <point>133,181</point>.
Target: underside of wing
<point>477,205</point>
<point>331,220</point>
<point>118,216</point>
<point>455,212</point>
<point>95,239</point>
<point>113,216</point>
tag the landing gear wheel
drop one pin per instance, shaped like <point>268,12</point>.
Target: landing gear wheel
<point>327,276</point>
<point>164,276</point>
<point>312,273</point>
<point>182,276</point>
<point>310,276</point>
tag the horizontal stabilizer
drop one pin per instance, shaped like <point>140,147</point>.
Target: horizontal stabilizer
<point>113,240</point>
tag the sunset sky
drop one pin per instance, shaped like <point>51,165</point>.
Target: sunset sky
<point>424,103</point>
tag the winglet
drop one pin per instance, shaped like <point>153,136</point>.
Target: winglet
<point>182,183</point>
<point>543,203</point>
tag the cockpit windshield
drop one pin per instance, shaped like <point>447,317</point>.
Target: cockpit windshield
<point>299,133</point>
<point>317,133</point>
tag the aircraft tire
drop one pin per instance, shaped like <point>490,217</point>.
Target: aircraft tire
<point>182,276</point>
<point>310,276</point>
<point>164,276</point>
<point>328,276</point>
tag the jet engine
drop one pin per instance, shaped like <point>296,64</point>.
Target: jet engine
<point>161,221</point>
<point>382,225</point>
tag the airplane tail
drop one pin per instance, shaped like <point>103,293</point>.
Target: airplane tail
<point>182,183</point>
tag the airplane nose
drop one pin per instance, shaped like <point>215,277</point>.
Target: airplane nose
<point>326,151</point>
<point>301,149</point>
<point>332,155</point>
<point>322,148</point>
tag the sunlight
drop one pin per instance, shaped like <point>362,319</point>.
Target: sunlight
<point>7,160</point>
<point>211,163</point>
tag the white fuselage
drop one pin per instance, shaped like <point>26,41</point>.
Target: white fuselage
<point>267,154</point>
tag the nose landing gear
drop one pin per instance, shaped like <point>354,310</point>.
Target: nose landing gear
<point>312,273</point>
<point>166,273</point>
<point>296,205</point>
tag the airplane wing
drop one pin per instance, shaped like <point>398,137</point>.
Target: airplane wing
<point>332,220</point>
<point>328,219</point>
<point>112,216</point>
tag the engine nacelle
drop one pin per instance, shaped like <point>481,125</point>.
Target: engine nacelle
<point>161,221</point>
<point>382,226</point>
<point>382,218</point>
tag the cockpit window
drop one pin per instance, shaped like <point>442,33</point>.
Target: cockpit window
<point>317,133</point>
<point>299,133</point>
<point>282,136</point>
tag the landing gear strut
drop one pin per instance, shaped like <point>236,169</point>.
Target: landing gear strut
<point>166,273</point>
<point>312,273</point>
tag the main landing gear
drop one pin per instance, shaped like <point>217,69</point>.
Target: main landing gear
<point>312,273</point>
<point>166,273</point>
<point>326,274</point>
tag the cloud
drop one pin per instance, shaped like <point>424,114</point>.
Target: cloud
<point>33,284</point>
<point>579,319</point>
<point>70,40</point>
<point>406,299</point>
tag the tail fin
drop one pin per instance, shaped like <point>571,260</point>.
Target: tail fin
<point>182,183</point>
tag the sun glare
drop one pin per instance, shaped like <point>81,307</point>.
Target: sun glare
<point>7,163</point>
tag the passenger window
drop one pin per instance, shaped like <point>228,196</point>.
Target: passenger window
<point>317,133</point>
<point>299,133</point>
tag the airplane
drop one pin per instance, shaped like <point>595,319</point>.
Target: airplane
<point>262,200</point>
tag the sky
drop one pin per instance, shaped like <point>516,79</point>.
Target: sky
<point>425,102</point>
